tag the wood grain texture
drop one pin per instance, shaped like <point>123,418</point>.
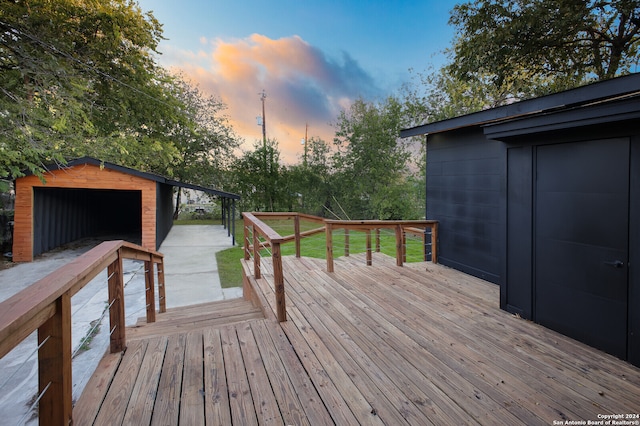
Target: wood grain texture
<point>85,176</point>
<point>419,344</point>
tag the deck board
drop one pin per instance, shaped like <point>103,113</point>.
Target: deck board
<point>215,380</point>
<point>420,344</point>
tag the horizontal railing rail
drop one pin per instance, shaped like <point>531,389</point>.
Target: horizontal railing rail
<point>259,235</point>
<point>401,228</point>
<point>45,307</point>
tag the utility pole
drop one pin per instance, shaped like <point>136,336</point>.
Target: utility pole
<point>263,96</point>
<point>306,131</point>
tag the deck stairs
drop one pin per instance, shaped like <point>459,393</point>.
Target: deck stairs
<point>196,317</point>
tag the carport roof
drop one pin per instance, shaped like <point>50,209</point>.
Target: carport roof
<point>145,175</point>
<point>622,88</point>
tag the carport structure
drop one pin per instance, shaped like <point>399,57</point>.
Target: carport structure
<point>91,198</point>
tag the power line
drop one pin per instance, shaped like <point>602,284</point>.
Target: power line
<point>68,56</point>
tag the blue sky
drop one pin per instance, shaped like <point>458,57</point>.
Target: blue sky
<point>313,58</point>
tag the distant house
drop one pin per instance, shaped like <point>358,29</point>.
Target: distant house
<point>90,198</point>
<point>542,197</point>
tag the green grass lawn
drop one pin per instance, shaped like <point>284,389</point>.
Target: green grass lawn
<point>230,269</point>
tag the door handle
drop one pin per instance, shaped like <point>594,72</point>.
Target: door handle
<point>615,264</point>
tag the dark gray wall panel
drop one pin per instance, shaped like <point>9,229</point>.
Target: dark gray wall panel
<point>63,215</point>
<point>634,253</point>
<point>464,178</point>
<point>517,297</point>
<point>164,212</point>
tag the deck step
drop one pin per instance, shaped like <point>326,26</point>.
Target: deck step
<point>196,317</point>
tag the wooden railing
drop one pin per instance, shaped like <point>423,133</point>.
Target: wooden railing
<point>252,245</point>
<point>259,235</point>
<point>401,228</point>
<point>45,306</point>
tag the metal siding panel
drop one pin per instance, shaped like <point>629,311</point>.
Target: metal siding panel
<point>164,207</point>
<point>519,283</point>
<point>464,175</point>
<point>634,254</point>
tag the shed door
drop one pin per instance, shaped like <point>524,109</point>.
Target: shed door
<point>581,241</point>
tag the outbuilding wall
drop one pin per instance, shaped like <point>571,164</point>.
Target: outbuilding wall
<point>86,177</point>
<point>465,176</point>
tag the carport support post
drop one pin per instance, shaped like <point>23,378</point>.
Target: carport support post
<point>233,222</point>
<point>223,211</point>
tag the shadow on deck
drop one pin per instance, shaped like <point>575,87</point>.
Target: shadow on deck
<point>381,344</point>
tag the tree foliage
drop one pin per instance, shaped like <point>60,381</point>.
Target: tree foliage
<point>257,176</point>
<point>72,73</point>
<point>311,180</point>
<point>371,164</point>
<point>203,138</point>
<point>533,47</point>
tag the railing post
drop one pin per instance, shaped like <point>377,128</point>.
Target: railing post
<point>329,242</point>
<point>54,366</point>
<point>425,255</point>
<point>404,245</point>
<point>296,229</point>
<point>346,242</point>
<point>434,242</point>
<point>377,240</point>
<point>278,281</point>
<point>369,254</point>
<point>247,256</point>
<point>256,253</point>
<point>150,290</point>
<point>116,300</point>
<point>399,245</point>
<point>162,294</point>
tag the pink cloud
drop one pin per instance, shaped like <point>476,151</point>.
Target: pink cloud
<point>302,84</point>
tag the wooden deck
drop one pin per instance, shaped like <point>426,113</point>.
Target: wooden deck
<point>381,344</point>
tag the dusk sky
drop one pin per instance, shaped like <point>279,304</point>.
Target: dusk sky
<point>312,58</point>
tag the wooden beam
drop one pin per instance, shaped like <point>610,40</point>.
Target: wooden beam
<point>54,366</point>
<point>116,311</point>
<point>162,293</point>
<point>296,230</point>
<point>329,244</point>
<point>150,289</point>
<point>278,280</point>
<point>399,245</point>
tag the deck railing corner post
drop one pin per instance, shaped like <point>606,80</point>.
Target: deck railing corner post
<point>399,255</point>
<point>116,302</point>
<point>162,291</point>
<point>246,245</point>
<point>150,287</point>
<point>278,281</point>
<point>329,243</point>
<point>256,253</point>
<point>296,227</point>
<point>54,365</point>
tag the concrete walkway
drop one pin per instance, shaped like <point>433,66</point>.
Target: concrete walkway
<point>191,276</point>
<point>191,271</point>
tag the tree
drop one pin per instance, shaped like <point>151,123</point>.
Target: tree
<point>371,164</point>
<point>257,178</point>
<point>76,77</point>
<point>534,47</point>
<point>203,138</point>
<point>312,180</point>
